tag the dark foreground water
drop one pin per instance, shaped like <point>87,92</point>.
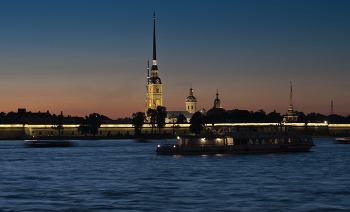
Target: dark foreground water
<point>122,175</point>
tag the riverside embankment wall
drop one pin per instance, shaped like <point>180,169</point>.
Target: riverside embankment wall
<point>26,131</point>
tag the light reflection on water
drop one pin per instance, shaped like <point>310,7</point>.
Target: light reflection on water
<point>124,175</point>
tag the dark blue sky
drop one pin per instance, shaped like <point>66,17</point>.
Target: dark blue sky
<point>91,56</point>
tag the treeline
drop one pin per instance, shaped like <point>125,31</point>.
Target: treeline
<point>24,117</point>
<point>157,119</point>
<point>260,116</point>
<point>317,117</point>
<point>88,125</point>
<point>241,116</point>
<point>217,115</point>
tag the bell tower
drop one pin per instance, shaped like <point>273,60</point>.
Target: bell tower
<point>217,103</point>
<point>154,97</point>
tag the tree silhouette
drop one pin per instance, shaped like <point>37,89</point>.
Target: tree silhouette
<point>152,115</point>
<point>94,123</point>
<point>173,121</point>
<point>58,125</point>
<point>2,117</point>
<point>90,124</point>
<point>161,115</point>
<point>84,128</point>
<point>197,123</point>
<point>181,119</point>
<point>176,120</point>
<point>138,119</point>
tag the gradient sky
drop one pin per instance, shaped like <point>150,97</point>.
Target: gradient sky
<point>86,56</point>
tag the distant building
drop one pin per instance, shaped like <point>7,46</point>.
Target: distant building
<point>217,108</point>
<point>27,117</point>
<point>217,103</point>
<point>191,108</point>
<point>172,116</point>
<point>24,117</point>
<point>191,103</point>
<point>203,111</point>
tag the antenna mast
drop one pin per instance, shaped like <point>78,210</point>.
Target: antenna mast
<point>291,94</point>
<point>332,112</point>
<point>147,70</point>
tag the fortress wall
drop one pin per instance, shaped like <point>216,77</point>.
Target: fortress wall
<point>312,130</point>
<point>13,131</point>
<point>20,131</point>
<point>339,130</point>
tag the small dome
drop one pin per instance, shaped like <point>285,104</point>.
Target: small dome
<point>191,99</point>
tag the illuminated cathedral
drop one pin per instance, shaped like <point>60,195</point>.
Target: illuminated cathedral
<point>154,86</point>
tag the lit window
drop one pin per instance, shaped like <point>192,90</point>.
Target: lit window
<point>157,103</point>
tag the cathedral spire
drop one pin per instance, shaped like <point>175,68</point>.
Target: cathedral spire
<point>154,71</point>
<point>154,39</point>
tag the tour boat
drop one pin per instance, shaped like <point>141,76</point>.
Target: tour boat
<point>39,144</point>
<point>240,140</point>
<point>141,140</point>
<point>343,140</point>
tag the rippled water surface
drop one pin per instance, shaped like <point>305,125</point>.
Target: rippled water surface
<point>122,175</point>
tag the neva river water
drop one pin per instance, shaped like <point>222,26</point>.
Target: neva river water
<point>122,175</point>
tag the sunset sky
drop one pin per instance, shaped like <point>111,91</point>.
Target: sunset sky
<point>86,56</point>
